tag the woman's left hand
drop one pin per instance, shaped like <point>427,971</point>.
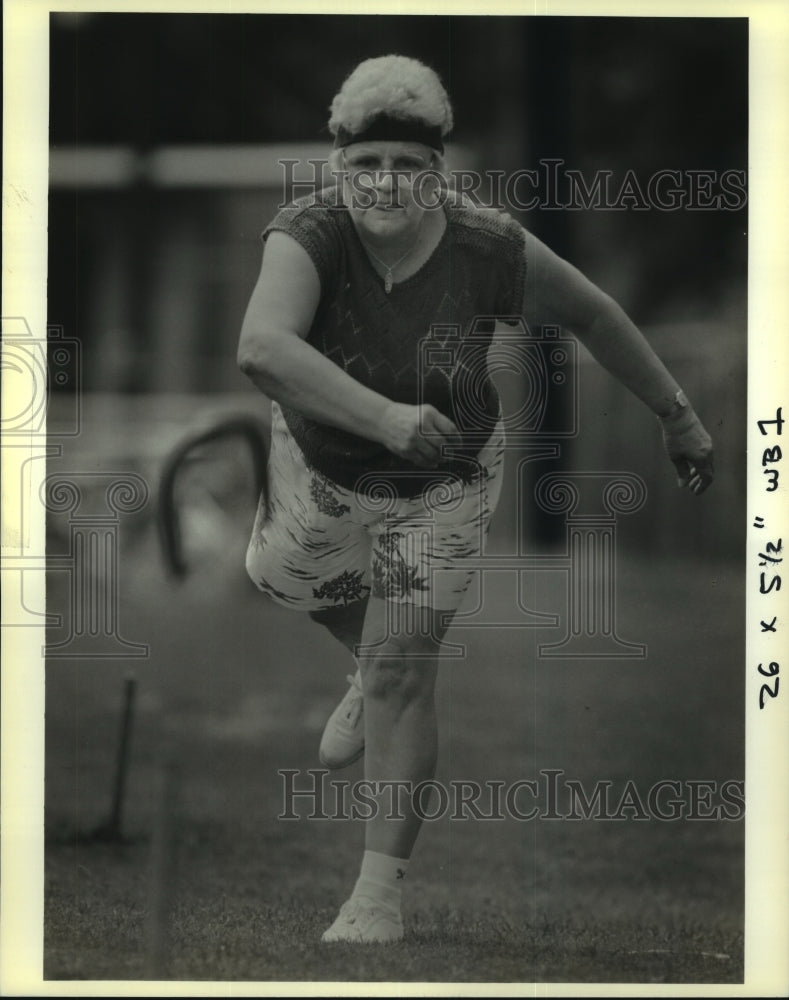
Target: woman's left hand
<point>689,447</point>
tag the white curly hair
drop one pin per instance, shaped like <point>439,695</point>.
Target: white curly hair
<point>397,86</point>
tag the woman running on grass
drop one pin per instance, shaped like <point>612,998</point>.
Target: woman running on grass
<point>359,283</point>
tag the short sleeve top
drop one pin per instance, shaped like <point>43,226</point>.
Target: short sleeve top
<point>425,341</point>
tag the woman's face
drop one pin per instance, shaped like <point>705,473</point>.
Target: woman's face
<point>386,189</point>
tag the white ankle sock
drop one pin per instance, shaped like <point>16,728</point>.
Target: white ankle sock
<point>381,879</point>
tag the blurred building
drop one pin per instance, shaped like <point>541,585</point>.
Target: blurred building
<point>166,132</point>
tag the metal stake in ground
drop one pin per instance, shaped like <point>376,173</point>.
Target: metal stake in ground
<point>112,829</point>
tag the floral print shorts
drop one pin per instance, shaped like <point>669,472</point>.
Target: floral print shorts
<point>316,545</point>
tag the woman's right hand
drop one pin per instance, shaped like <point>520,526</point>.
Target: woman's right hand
<point>417,433</point>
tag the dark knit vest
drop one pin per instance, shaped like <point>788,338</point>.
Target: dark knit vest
<point>424,342</point>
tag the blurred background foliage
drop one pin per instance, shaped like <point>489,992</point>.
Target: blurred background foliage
<point>153,275</point>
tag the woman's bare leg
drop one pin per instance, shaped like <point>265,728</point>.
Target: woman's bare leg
<point>398,656</point>
<point>399,662</point>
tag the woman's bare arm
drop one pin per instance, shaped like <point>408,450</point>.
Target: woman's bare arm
<point>557,292</point>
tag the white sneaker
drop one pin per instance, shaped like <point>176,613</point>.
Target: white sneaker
<point>343,738</point>
<point>366,922</point>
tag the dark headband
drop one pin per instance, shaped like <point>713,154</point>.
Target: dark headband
<point>385,128</point>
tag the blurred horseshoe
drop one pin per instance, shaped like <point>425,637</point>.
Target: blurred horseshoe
<point>167,513</point>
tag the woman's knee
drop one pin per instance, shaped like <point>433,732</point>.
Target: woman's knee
<point>400,671</point>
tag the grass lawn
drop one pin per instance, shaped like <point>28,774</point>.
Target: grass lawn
<point>236,689</point>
